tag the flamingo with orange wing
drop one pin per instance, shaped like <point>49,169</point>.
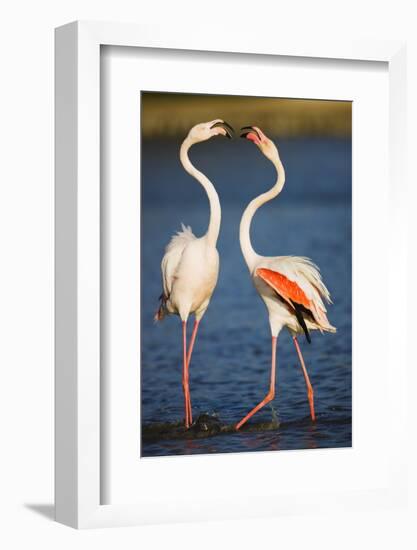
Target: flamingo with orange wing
<point>291,287</point>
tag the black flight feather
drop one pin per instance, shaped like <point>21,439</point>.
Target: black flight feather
<point>299,314</point>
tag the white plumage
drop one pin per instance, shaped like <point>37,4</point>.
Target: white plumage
<point>190,269</point>
<point>190,265</point>
<point>172,257</point>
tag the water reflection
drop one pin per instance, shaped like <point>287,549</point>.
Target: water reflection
<point>230,367</point>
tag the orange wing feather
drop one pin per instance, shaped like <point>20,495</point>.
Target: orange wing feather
<point>286,288</point>
<point>292,293</point>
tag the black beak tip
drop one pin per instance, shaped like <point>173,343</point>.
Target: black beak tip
<point>246,130</point>
<point>227,127</point>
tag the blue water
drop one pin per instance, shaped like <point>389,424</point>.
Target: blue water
<point>229,373</point>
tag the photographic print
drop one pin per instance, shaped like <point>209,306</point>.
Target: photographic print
<point>246,293</point>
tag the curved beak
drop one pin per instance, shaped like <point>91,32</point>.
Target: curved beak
<point>246,130</point>
<point>228,129</point>
<point>252,134</point>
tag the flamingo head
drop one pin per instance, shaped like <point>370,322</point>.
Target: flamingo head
<point>267,146</point>
<point>206,130</point>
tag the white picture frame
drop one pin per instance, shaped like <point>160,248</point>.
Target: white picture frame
<point>78,501</point>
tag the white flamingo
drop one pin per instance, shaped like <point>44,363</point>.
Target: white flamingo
<point>291,287</point>
<point>190,265</point>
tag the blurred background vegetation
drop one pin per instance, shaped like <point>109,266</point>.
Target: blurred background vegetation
<point>167,115</point>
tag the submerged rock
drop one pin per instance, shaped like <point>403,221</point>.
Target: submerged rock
<point>205,425</point>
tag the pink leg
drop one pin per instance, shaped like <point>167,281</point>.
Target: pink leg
<point>193,337</point>
<point>189,354</point>
<point>185,383</point>
<point>271,394</point>
<point>310,392</point>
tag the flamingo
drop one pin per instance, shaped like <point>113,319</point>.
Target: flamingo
<point>291,287</point>
<point>190,265</point>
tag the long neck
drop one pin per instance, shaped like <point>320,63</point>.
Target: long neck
<point>244,234</point>
<point>215,211</point>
